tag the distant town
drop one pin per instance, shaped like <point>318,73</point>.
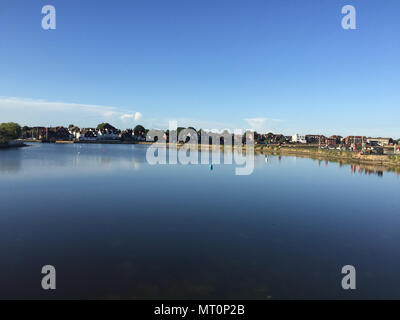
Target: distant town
<point>105,132</point>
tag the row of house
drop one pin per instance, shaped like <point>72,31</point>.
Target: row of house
<point>108,132</point>
<point>91,134</point>
<point>339,140</point>
<point>74,133</point>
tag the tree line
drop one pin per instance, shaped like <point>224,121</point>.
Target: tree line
<point>9,131</point>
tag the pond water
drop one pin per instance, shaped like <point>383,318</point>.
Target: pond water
<point>116,227</point>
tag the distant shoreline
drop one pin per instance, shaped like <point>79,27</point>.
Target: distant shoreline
<point>18,144</point>
<point>390,161</point>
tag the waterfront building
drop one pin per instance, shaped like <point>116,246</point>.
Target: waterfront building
<point>331,141</point>
<point>297,138</point>
<point>315,138</point>
<point>380,141</point>
<point>107,134</point>
<point>355,140</point>
<point>88,134</point>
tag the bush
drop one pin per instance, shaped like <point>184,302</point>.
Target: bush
<point>9,131</point>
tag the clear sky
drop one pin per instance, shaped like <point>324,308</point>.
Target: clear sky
<point>286,66</point>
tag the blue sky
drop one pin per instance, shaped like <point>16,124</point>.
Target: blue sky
<point>272,65</point>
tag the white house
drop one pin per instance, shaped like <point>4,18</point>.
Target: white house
<point>106,135</point>
<point>299,138</point>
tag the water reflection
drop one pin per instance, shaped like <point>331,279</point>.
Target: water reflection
<point>50,159</point>
<point>78,159</point>
<point>360,168</point>
<point>117,227</point>
<point>10,161</point>
<point>367,170</point>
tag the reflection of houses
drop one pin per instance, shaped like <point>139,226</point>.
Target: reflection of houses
<point>297,138</point>
<point>367,170</point>
<point>380,141</point>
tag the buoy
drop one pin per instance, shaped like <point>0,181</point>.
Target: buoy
<point>211,167</point>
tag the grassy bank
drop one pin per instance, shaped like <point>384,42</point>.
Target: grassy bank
<point>317,153</point>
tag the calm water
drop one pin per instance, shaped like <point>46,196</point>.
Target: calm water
<point>116,227</point>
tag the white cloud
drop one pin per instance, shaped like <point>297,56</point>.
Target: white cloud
<point>43,105</point>
<point>46,113</point>
<point>126,116</point>
<point>138,116</point>
<point>262,125</point>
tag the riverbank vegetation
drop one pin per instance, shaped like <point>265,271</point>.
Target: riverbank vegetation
<point>9,131</point>
<point>323,154</point>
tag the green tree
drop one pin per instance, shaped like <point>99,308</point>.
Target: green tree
<point>9,131</point>
<point>106,125</point>
<point>139,130</point>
